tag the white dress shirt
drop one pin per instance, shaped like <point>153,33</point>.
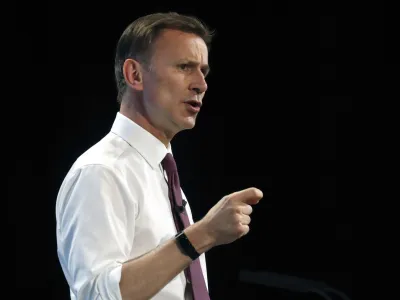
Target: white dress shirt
<point>113,206</point>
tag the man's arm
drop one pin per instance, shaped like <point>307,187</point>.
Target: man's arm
<point>95,230</point>
<point>160,266</point>
<point>224,223</point>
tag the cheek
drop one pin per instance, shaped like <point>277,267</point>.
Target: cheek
<point>168,90</point>
<point>172,90</point>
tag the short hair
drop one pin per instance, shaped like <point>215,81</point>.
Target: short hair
<point>137,39</point>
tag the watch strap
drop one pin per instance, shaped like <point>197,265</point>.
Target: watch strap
<point>186,246</point>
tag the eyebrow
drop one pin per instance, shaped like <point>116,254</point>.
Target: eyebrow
<point>205,67</point>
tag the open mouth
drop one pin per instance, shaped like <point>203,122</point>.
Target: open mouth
<point>193,105</point>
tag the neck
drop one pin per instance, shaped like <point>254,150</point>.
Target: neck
<point>131,110</point>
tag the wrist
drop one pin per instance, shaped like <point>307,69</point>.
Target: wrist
<point>199,237</point>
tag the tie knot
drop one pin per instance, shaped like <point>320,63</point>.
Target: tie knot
<point>168,163</point>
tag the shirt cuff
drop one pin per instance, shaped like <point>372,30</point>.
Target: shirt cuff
<point>110,284</point>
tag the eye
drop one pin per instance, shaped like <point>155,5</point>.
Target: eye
<point>184,67</point>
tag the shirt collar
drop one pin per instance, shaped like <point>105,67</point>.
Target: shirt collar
<point>151,148</point>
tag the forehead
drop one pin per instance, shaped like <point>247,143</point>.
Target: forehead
<point>176,45</point>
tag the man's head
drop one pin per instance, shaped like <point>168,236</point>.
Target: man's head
<point>161,64</point>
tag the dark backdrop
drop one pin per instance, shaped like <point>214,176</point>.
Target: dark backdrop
<point>259,127</point>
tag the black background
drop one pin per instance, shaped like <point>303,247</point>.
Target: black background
<point>258,127</point>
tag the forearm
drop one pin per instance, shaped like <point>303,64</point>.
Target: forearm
<point>145,276</point>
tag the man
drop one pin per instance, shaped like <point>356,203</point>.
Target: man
<point>116,222</point>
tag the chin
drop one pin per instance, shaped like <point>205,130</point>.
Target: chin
<point>188,123</point>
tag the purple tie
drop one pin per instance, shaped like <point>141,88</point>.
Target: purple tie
<point>194,273</point>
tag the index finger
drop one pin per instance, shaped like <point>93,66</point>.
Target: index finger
<point>249,196</point>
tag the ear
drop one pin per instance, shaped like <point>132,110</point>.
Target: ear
<point>133,74</point>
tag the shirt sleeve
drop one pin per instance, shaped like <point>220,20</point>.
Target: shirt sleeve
<point>95,230</point>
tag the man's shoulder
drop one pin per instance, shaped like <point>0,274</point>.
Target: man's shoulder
<point>105,152</point>
<point>111,153</point>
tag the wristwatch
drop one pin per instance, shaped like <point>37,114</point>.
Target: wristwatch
<point>186,246</point>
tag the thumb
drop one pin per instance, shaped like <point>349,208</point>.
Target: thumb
<point>249,196</point>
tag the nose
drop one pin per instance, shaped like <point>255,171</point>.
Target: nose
<point>199,85</point>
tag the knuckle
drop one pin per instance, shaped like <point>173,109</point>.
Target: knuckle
<point>236,218</point>
<point>234,210</point>
<point>240,229</point>
<point>244,230</point>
